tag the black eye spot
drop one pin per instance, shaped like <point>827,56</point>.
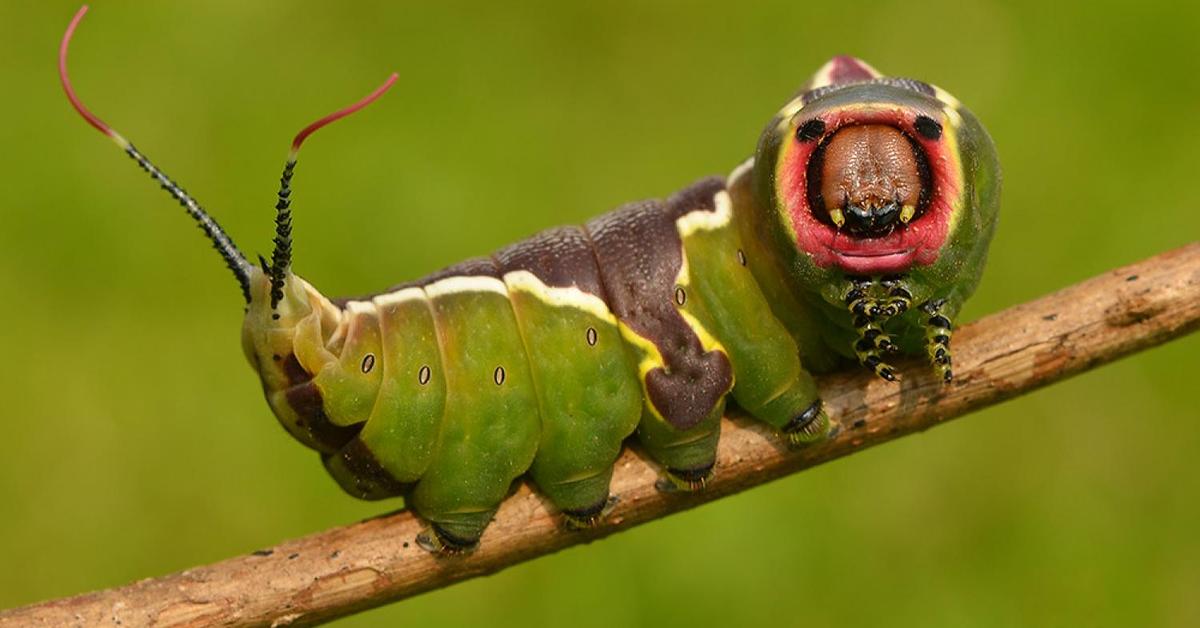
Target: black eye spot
<point>680,295</point>
<point>928,127</point>
<point>741,257</point>
<point>423,375</point>
<point>591,336</point>
<point>810,130</point>
<point>498,375</point>
<point>368,362</point>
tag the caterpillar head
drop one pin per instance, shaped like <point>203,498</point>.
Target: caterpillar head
<point>866,175</point>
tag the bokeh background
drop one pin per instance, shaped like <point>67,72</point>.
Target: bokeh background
<point>135,438</point>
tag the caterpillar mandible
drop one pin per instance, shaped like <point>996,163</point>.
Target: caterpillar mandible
<point>856,230</point>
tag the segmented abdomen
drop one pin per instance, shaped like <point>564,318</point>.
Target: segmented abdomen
<point>542,357</point>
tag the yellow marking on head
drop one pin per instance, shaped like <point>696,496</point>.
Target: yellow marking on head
<point>839,218</point>
<point>790,110</point>
<point>950,133</point>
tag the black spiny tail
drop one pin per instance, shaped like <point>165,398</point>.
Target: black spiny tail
<point>220,240</point>
<point>281,258</point>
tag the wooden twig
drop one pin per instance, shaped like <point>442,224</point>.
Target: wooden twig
<point>348,569</point>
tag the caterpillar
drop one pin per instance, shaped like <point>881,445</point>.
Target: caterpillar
<point>854,232</point>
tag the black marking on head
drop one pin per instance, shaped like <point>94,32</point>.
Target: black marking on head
<point>928,127</point>
<point>368,363</point>
<point>680,295</point>
<point>498,375</point>
<point>591,336</point>
<point>275,317</point>
<point>810,130</point>
<point>423,375</point>
<point>741,255</point>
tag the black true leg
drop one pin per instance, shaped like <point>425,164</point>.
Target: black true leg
<point>937,338</point>
<point>899,298</point>
<point>869,314</point>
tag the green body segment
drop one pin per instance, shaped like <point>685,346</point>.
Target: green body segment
<point>350,384</point>
<point>403,430</point>
<point>769,381</point>
<point>399,439</point>
<point>588,393</point>
<point>491,425</point>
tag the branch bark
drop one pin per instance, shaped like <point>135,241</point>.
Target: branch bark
<point>352,568</point>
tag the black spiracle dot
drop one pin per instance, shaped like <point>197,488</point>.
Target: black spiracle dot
<point>928,127</point>
<point>741,257</point>
<point>423,375</point>
<point>810,130</point>
<point>680,295</point>
<point>368,362</point>
<point>498,375</point>
<point>591,336</point>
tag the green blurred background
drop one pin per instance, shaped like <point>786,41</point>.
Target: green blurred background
<point>137,442</point>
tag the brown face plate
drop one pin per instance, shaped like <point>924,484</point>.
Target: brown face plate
<point>869,166</point>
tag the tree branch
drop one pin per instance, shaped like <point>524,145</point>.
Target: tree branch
<point>348,569</point>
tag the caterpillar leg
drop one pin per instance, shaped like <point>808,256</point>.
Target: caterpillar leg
<point>688,456</point>
<point>583,502</point>
<point>591,516</point>
<point>899,299</point>
<point>811,425</point>
<point>872,341</point>
<point>938,330</point>
<point>457,534</point>
<point>869,314</point>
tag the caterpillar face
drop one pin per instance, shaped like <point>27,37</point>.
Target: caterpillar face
<point>868,175</point>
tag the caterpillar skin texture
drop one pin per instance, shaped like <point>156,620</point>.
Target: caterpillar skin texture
<point>857,230</point>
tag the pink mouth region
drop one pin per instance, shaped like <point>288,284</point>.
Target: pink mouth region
<point>916,243</point>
